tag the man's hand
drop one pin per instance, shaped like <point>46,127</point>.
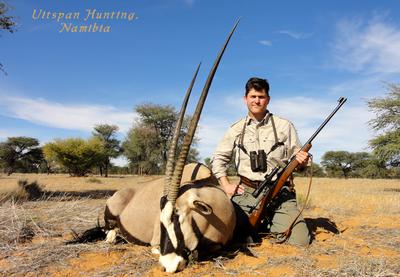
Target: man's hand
<point>302,158</point>
<point>230,189</point>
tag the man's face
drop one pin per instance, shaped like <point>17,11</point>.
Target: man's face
<point>257,102</point>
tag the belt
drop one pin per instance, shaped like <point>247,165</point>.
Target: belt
<point>255,184</point>
<point>249,183</point>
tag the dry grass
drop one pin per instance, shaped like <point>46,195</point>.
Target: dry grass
<point>33,236</point>
<point>32,233</point>
<point>354,197</point>
<point>62,182</point>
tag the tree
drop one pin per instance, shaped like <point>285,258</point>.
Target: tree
<point>339,163</point>
<point>161,119</point>
<point>357,165</point>
<point>373,168</point>
<point>336,163</point>
<point>76,155</point>
<point>140,147</point>
<point>106,133</point>
<point>20,153</point>
<point>147,143</point>
<point>386,146</point>
<point>6,22</point>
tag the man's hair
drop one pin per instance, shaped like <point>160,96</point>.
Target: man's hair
<point>257,84</point>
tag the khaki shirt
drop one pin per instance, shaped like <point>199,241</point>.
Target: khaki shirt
<point>257,136</point>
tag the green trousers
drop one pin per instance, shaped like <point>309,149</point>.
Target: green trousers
<point>280,215</point>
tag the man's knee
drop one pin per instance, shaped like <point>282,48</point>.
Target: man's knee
<point>300,234</point>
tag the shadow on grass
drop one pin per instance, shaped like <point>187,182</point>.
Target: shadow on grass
<point>72,195</point>
<point>323,223</point>
<point>392,189</point>
<point>34,192</point>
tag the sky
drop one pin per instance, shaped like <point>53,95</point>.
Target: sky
<point>60,84</point>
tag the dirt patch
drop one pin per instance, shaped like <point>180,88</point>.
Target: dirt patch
<point>242,261</point>
<point>278,250</point>
<point>3,264</point>
<point>381,252</point>
<point>326,261</point>
<point>281,271</point>
<point>90,262</point>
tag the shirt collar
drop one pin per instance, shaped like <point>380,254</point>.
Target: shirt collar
<point>264,121</point>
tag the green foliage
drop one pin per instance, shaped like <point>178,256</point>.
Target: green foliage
<point>160,118</point>
<point>139,149</point>
<point>338,163</point>
<point>75,155</point>
<point>207,162</point>
<point>120,170</point>
<point>111,146</point>
<point>335,163</point>
<point>147,143</point>
<point>386,146</point>
<point>357,165</point>
<point>317,171</point>
<point>20,154</point>
<point>231,167</point>
<point>6,23</point>
<point>387,109</point>
<point>373,168</point>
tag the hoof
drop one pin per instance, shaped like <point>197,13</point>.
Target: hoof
<point>155,250</point>
<point>111,236</point>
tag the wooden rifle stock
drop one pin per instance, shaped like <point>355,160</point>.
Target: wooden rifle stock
<point>259,212</point>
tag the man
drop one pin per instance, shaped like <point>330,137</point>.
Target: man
<point>259,143</point>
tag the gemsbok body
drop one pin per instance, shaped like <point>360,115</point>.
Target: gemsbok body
<point>203,217</point>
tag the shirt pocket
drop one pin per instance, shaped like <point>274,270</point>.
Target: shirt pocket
<point>243,155</point>
<point>279,152</point>
<point>249,144</point>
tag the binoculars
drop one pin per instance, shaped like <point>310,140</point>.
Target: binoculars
<point>258,161</point>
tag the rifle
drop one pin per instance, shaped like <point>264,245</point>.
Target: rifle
<point>269,189</point>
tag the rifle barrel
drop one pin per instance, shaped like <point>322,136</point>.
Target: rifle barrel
<point>341,101</point>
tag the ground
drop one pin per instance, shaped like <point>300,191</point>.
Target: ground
<point>355,224</point>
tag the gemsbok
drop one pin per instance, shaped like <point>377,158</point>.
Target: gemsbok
<point>189,212</point>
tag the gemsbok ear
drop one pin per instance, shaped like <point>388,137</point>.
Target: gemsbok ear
<point>202,207</point>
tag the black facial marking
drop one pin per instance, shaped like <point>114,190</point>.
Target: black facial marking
<point>178,233</point>
<point>166,245</point>
<point>163,202</point>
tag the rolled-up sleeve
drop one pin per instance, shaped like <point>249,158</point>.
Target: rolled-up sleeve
<point>223,154</point>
